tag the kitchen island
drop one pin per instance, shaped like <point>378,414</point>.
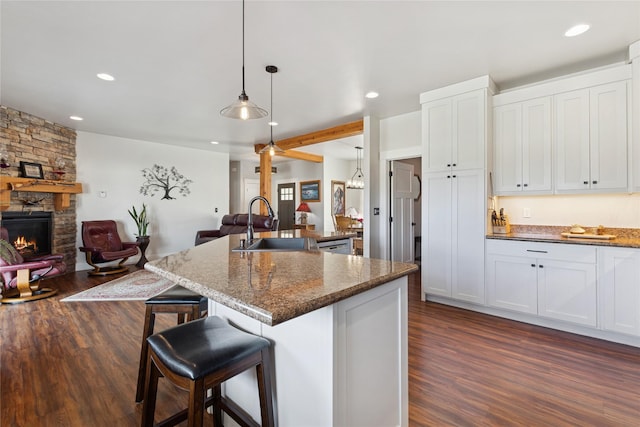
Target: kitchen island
<point>338,324</point>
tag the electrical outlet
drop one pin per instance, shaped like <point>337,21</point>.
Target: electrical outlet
<point>526,213</point>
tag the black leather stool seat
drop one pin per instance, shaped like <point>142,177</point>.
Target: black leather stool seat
<point>198,348</point>
<point>175,300</point>
<point>201,355</point>
<point>178,295</point>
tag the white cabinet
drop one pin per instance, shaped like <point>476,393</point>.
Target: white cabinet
<point>454,130</point>
<point>557,281</point>
<point>567,291</point>
<point>591,139</point>
<point>512,282</point>
<point>455,230</point>
<point>619,283</point>
<point>522,147</point>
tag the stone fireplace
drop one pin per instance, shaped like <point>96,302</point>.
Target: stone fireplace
<point>28,138</point>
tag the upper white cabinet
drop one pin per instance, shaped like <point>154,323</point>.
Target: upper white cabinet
<point>619,287</point>
<point>522,147</point>
<point>454,132</point>
<point>591,139</point>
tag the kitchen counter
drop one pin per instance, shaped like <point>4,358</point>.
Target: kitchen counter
<point>337,323</point>
<point>274,287</point>
<point>625,237</point>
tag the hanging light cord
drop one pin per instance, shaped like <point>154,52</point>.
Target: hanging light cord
<point>244,95</point>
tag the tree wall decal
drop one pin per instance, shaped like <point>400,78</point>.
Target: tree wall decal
<point>165,179</point>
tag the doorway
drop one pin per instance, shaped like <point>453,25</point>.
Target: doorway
<point>287,205</point>
<point>404,203</point>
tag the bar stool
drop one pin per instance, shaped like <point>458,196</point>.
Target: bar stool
<point>176,299</point>
<point>202,354</point>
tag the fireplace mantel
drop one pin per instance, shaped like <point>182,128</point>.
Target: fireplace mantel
<point>60,189</point>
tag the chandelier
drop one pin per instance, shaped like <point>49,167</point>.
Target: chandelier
<point>357,180</point>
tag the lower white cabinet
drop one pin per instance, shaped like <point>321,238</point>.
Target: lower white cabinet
<point>567,291</point>
<point>557,281</point>
<point>512,282</point>
<point>619,282</point>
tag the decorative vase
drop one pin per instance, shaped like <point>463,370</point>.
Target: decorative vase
<point>143,242</point>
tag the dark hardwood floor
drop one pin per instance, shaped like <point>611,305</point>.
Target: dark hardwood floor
<point>75,364</point>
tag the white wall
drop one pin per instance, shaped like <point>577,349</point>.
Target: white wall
<point>114,165</point>
<point>401,132</point>
<point>400,138</point>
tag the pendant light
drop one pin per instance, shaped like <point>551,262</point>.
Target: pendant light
<point>272,148</point>
<point>357,180</point>
<point>243,109</point>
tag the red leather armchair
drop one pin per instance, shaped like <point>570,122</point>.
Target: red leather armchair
<point>237,224</point>
<point>21,279</point>
<point>102,244</point>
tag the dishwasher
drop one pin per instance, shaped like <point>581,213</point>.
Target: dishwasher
<point>341,246</point>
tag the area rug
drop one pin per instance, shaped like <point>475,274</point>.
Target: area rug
<point>139,285</point>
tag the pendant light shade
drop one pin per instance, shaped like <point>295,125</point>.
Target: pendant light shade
<point>243,109</point>
<point>357,180</point>
<point>272,148</point>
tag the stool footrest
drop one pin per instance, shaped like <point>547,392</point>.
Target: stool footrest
<point>238,414</point>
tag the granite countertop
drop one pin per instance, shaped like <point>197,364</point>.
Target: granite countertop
<point>274,287</point>
<point>625,237</point>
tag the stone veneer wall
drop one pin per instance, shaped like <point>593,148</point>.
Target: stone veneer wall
<point>32,139</point>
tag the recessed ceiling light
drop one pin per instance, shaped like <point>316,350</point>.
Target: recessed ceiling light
<point>371,95</point>
<point>215,142</point>
<point>273,123</point>
<point>105,76</point>
<point>576,30</point>
<point>77,118</point>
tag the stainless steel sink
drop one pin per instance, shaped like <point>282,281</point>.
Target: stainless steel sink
<point>279,244</point>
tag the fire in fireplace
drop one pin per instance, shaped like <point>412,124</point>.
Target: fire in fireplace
<point>29,232</point>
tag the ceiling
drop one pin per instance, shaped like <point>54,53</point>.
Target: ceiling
<point>177,63</point>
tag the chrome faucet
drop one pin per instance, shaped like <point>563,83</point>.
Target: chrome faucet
<point>250,221</point>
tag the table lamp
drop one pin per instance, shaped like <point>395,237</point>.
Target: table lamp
<point>352,213</point>
<point>303,208</point>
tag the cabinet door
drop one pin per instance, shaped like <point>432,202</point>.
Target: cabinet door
<point>572,140</point>
<point>536,145</point>
<point>436,274</point>
<point>468,138</point>
<point>512,283</point>
<point>468,236</point>
<point>507,134</point>
<point>436,131</point>
<point>567,291</point>
<point>608,136</point>
<point>619,284</point>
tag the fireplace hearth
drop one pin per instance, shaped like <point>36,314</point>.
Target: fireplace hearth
<point>29,232</point>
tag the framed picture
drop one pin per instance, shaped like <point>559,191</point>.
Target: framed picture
<point>31,170</point>
<point>310,191</point>
<point>338,197</point>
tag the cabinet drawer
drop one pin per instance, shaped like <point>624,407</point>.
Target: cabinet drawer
<point>556,251</point>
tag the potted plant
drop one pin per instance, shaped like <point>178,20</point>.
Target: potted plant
<point>140,220</point>
<point>142,237</point>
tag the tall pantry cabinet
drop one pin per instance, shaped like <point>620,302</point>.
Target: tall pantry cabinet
<point>455,153</point>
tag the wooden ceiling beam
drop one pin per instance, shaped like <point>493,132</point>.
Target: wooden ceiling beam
<point>298,155</point>
<point>324,135</point>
